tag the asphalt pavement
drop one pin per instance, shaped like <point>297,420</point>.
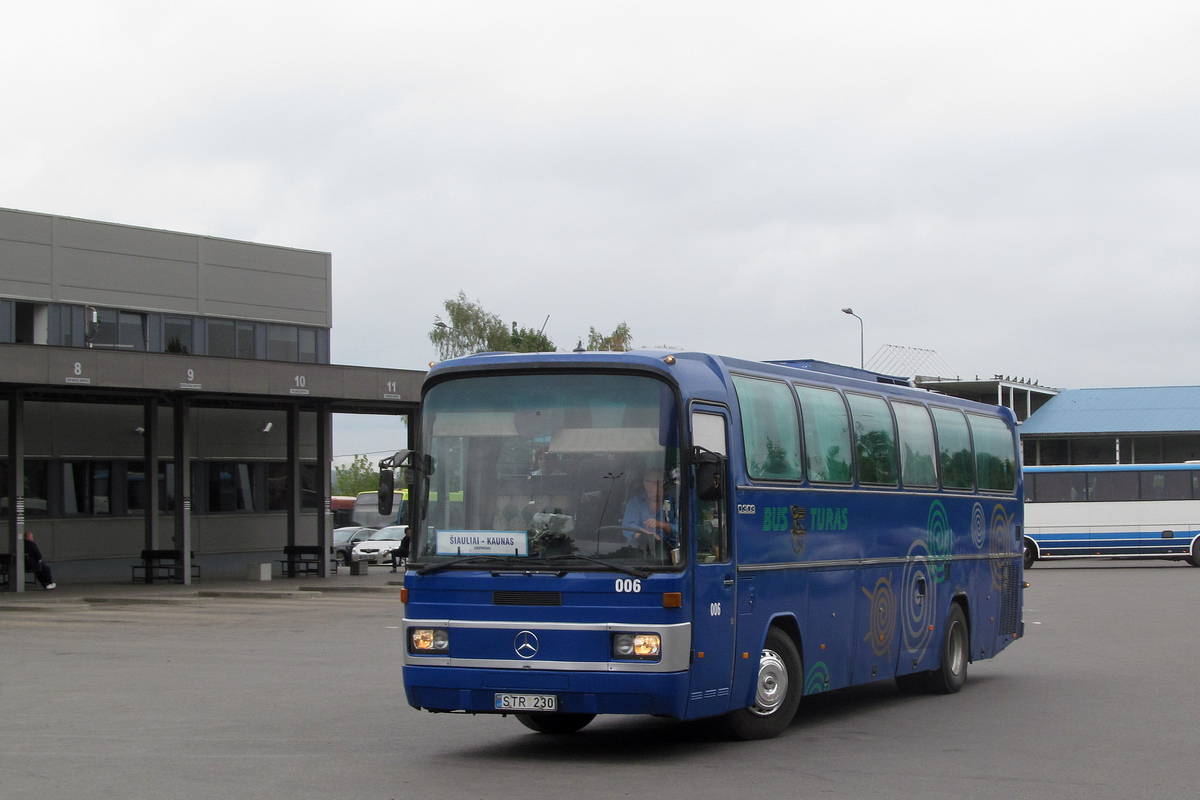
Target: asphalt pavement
<point>292,689</point>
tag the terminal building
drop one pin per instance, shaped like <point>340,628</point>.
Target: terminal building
<point>169,391</point>
<point>166,390</point>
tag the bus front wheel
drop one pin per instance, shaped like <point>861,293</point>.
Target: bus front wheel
<point>1194,558</point>
<point>776,694</point>
<point>1030,554</point>
<point>555,723</point>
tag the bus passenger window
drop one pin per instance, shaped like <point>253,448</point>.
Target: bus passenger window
<point>995,454</point>
<point>917,466</point>
<point>874,440</point>
<point>769,428</point>
<point>954,449</point>
<point>826,434</point>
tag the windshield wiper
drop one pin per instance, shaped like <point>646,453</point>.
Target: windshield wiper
<point>505,560</point>
<point>637,572</point>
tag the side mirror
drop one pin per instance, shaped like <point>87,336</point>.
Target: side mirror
<point>710,476</point>
<point>387,487</point>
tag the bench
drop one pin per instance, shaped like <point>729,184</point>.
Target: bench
<point>163,565</point>
<point>305,559</point>
<point>6,565</point>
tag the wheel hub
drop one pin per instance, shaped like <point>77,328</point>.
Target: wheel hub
<point>772,686</point>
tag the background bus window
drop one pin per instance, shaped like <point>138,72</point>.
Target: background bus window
<point>995,454</point>
<point>770,429</point>
<point>1166,485</point>
<point>954,449</point>
<point>1110,487</point>
<point>915,430</point>
<point>1058,487</point>
<point>826,434</point>
<point>874,440</point>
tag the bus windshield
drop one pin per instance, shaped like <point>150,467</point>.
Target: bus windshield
<point>562,471</point>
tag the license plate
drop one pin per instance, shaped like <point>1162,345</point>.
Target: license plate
<point>526,702</point>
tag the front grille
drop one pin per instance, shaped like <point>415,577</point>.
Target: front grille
<point>527,598</point>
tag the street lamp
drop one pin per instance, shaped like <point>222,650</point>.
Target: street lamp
<point>861,337</point>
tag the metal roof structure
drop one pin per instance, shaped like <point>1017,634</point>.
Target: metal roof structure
<point>1153,409</point>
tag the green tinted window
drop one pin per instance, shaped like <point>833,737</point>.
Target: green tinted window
<point>995,454</point>
<point>954,449</point>
<point>770,429</point>
<point>874,440</point>
<point>826,434</point>
<point>917,465</point>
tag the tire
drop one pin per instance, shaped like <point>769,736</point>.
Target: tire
<point>1194,558</point>
<point>777,691</point>
<point>956,650</point>
<point>1031,554</point>
<point>346,557</point>
<point>556,724</point>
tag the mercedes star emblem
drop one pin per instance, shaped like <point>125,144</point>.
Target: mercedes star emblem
<point>526,644</point>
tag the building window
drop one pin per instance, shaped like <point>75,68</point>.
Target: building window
<point>221,337</point>
<point>308,346</point>
<point>230,486</point>
<point>283,343</point>
<point>277,478</point>
<point>135,487</point>
<point>123,330</point>
<point>177,335</point>
<point>37,487</point>
<point>245,340</point>
<point>87,487</point>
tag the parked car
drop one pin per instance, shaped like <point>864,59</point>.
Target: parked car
<point>344,540</point>
<point>378,549</point>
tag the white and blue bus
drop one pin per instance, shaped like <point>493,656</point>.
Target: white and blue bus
<point>687,535</point>
<point>1113,511</point>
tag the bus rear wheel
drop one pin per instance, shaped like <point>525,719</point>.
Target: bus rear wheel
<point>956,647</point>
<point>1030,554</point>
<point>559,724</point>
<point>776,694</point>
<point>1194,558</point>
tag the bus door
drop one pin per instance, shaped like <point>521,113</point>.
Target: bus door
<point>714,609</point>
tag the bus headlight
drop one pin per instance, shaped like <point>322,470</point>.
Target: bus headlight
<point>428,640</point>
<point>645,646</point>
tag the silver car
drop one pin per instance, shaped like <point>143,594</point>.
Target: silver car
<point>378,548</point>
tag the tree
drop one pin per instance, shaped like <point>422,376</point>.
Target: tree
<point>620,340</point>
<point>469,329</point>
<point>359,476</point>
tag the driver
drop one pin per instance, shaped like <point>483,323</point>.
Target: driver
<point>651,516</point>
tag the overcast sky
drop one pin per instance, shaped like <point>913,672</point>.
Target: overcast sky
<point>1014,186</point>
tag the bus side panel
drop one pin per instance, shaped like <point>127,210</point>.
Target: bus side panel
<point>830,633</point>
<point>876,620</point>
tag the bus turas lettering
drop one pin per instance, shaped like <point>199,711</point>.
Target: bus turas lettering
<point>828,519</point>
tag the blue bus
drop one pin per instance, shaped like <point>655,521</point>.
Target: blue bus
<point>687,535</point>
<point>1113,511</point>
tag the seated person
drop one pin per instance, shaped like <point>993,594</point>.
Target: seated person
<point>653,515</point>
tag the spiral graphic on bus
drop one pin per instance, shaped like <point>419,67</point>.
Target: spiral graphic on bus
<point>818,679</point>
<point>979,529</point>
<point>941,541</point>
<point>883,616</point>
<point>998,544</point>
<point>918,593</point>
